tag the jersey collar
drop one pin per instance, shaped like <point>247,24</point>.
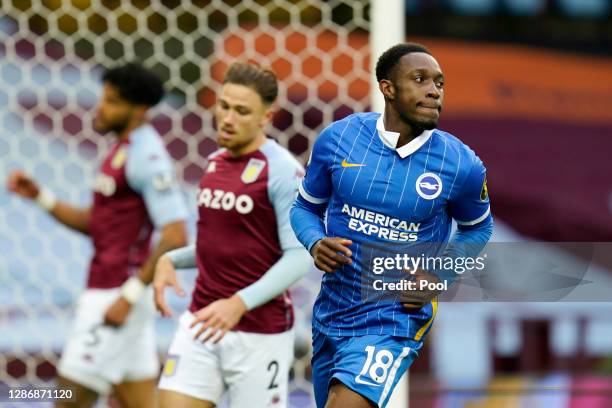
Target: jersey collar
<point>390,139</point>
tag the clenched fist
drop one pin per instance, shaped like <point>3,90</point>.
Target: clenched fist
<point>22,184</point>
<point>330,253</point>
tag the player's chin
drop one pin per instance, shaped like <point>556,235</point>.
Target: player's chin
<point>426,119</point>
<point>226,143</point>
<point>427,123</point>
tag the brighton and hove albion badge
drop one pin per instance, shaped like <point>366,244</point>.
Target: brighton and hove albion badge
<point>429,186</point>
<point>119,158</point>
<point>252,170</point>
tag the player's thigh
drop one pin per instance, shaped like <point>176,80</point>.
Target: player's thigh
<point>256,368</point>
<point>192,369</point>
<point>140,358</point>
<point>341,396</point>
<point>91,347</point>
<point>323,350</point>
<point>371,366</point>
<point>173,399</point>
<point>83,397</point>
<point>137,394</point>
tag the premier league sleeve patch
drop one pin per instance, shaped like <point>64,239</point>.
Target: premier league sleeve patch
<point>119,158</point>
<point>484,193</point>
<point>162,181</point>
<point>252,170</point>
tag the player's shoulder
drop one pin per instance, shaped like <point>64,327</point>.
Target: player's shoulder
<point>354,121</point>
<point>354,124</point>
<point>148,159</point>
<point>218,154</point>
<point>147,145</point>
<point>280,159</point>
<point>457,148</point>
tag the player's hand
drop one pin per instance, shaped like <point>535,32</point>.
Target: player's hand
<point>23,185</point>
<point>330,253</point>
<point>117,314</point>
<point>165,275</point>
<point>415,299</point>
<point>219,317</point>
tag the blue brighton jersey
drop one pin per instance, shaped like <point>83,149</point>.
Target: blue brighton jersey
<point>378,195</point>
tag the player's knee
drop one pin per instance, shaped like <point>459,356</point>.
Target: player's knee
<point>83,397</point>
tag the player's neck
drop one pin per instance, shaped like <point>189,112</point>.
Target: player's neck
<point>394,123</point>
<point>125,133</point>
<point>250,147</point>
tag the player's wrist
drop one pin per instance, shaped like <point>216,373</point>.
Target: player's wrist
<point>240,302</point>
<point>133,289</point>
<point>314,247</point>
<point>45,199</point>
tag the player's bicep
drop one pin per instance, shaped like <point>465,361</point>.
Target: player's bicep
<point>471,204</point>
<point>316,187</point>
<point>155,180</point>
<point>283,190</point>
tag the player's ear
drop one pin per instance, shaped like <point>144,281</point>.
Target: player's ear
<point>387,89</point>
<point>268,115</point>
<point>137,113</point>
<point>140,110</point>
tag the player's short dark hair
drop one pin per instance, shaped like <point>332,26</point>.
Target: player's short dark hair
<point>262,80</point>
<point>390,58</point>
<point>136,84</point>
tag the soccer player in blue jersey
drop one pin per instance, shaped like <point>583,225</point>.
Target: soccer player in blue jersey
<point>389,181</point>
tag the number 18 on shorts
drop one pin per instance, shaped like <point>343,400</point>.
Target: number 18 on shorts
<point>369,365</point>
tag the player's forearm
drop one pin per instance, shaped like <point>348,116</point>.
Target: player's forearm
<point>72,217</point>
<point>466,243</point>
<point>173,236</point>
<point>293,265</point>
<point>307,222</point>
<point>184,257</point>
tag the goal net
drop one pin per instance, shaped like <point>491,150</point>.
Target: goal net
<point>52,53</point>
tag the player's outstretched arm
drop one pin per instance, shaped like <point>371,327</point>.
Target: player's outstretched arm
<point>173,235</point>
<point>72,217</point>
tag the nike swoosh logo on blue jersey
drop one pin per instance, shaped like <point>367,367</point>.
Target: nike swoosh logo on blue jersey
<point>347,164</point>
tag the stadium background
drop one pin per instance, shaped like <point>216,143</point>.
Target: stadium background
<point>528,87</point>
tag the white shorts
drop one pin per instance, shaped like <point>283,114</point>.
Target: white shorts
<point>98,356</point>
<point>253,367</point>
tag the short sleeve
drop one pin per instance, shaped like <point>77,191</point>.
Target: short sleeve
<point>471,204</point>
<point>150,173</point>
<point>316,187</point>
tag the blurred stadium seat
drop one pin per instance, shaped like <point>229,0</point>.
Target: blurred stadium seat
<point>585,8</point>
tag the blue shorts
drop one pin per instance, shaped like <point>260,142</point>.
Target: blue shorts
<point>369,365</point>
